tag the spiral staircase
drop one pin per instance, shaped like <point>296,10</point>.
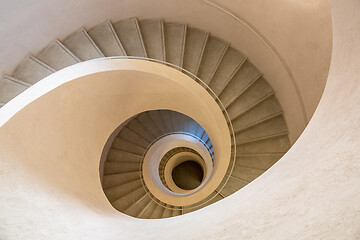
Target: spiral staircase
<point>52,135</point>
<point>254,116</point>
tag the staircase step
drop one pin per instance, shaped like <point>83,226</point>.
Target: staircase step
<point>136,126</point>
<point>270,145</point>
<point>175,121</point>
<point>259,162</point>
<point>236,183</point>
<point>133,137</point>
<point>227,191</point>
<point>248,174</point>
<point>157,213</point>
<point>120,191</point>
<point>120,167</point>
<point>116,155</point>
<point>148,210</point>
<point>58,56</point>
<point>167,212</point>
<point>175,36</point>
<point>243,78</point>
<point>266,109</point>
<point>177,212</point>
<point>81,44</point>
<point>228,67</point>
<point>126,201</point>
<point>247,141</point>
<point>10,88</point>
<point>214,200</point>
<point>259,91</point>
<point>32,70</point>
<point>167,120</point>
<point>130,37</point>
<point>145,120</point>
<point>154,39</point>
<point>114,180</point>
<point>125,145</point>
<point>106,39</point>
<point>271,127</point>
<point>137,206</point>
<point>213,54</point>
<point>194,48</point>
<point>157,119</point>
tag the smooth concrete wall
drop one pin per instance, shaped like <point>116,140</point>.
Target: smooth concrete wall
<point>300,32</point>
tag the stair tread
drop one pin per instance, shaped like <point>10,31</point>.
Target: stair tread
<point>113,180</point>
<point>257,92</point>
<point>156,118</point>
<point>136,126</point>
<point>118,192</point>
<point>194,48</point>
<point>167,120</point>
<point>145,120</point>
<point>116,155</point>
<point>133,137</point>
<point>157,213</point>
<point>238,84</point>
<point>126,201</point>
<point>153,36</point>
<point>248,174</point>
<point>32,70</point>
<point>58,56</point>
<point>266,109</point>
<point>213,54</point>
<point>167,212</point>
<point>81,44</point>
<point>120,167</point>
<point>129,33</point>
<point>149,209</point>
<point>175,35</point>
<point>107,40</point>
<point>271,127</point>
<point>260,162</point>
<point>275,144</point>
<point>228,67</point>
<point>261,138</point>
<point>10,88</point>
<point>125,145</point>
<point>137,206</point>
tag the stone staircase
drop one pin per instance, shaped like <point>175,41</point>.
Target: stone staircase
<point>256,115</point>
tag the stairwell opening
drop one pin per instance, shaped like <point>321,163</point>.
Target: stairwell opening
<point>188,175</point>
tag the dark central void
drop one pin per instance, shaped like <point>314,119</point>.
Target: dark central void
<point>188,175</point>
